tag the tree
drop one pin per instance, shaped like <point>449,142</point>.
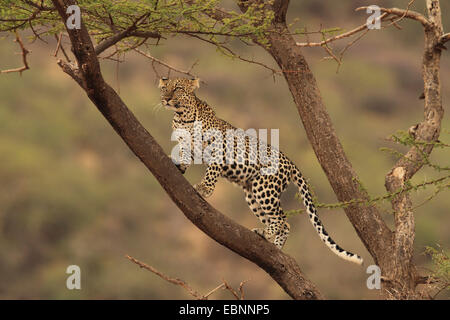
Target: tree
<point>130,26</point>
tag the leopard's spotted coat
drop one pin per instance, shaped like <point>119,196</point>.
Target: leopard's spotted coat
<point>262,192</point>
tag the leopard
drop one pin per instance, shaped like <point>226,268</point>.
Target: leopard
<point>262,190</point>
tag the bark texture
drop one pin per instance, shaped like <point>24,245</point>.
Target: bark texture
<point>403,275</point>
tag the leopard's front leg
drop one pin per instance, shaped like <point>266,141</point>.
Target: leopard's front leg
<point>206,187</point>
<point>184,158</point>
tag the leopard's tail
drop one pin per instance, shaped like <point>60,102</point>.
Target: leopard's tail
<point>299,180</point>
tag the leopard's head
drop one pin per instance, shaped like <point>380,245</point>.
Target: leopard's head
<point>177,94</point>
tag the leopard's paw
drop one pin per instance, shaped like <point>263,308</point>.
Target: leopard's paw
<point>203,190</point>
<point>181,168</point>
<point>260,232</point>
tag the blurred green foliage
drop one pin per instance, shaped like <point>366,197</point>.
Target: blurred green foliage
<point>441,270</point>
<point>159,16</point>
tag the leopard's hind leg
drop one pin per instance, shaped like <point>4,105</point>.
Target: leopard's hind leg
<point>265,194</point>
<point>282,235</point>
<point>256,209</point>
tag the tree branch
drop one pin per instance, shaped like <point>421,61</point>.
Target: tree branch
<point>174,281</point>
<point>403,13</point>
<point>280,8</point>
<point>131,31</point>
<point>168,66</point>
<point>24,53</point>
<point>391,251</point>
<point>73,72</point>
<point>224,285</point>
<point>41,7</point>
<point>338,37</point>
<point>281,267</point>
<point>427,131</point>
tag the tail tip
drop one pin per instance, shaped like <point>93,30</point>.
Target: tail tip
<point>358,260</point>
<point>354,258</point>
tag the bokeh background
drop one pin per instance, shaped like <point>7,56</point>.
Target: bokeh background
<point>71,192</point>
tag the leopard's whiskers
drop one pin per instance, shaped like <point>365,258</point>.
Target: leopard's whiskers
<point>158,107</point>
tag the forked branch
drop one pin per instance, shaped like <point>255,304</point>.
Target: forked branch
<point>24,52</point>
<point>176,281</point>
<point>340,36</point>
<point>403,13</point>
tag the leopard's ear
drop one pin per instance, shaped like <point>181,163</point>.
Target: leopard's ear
<point>195,83</point>
<point>162,82</point>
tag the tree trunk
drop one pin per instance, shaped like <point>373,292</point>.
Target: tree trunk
<point>391,251</point>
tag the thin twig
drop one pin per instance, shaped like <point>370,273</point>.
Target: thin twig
<point>351,43</point>
<point>58,44</point>
<point>41,7</point>
<point>24,54</point>
<point>394,22</point>
<point>241,288</point>
<point>338,37</point>
<point>128,32</point>
<point>192,292</point>
<point>234,55</point>
<point>168,66</point>
<point>117,73</point>
<point>220,286</point>
<point>404,14</point>
<point>175,281</point>
<point>233,292</point>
